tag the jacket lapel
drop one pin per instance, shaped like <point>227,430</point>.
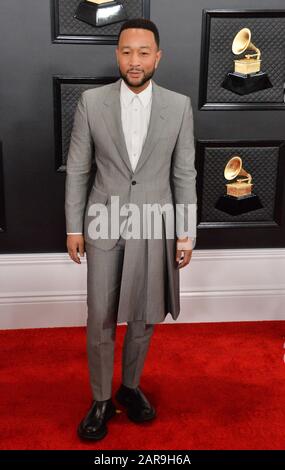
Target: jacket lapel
<point>112,116</point>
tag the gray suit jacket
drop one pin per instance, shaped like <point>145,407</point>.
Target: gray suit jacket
<point>165,172</point>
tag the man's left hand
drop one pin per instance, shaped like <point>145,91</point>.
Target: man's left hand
<point>183,255</point>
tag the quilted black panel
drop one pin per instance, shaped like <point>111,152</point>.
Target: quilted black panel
<point>268,34</point>
<point>66,95</point>
<point>70,94</point>
<point>72,26</point>
<point>260,162</point>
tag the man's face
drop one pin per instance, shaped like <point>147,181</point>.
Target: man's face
<point>137,57</point>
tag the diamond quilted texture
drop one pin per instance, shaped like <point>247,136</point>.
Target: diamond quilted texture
<point>268,34</point>
<point>68,25</point>
<point>260,162</point>
<point>70,94</point>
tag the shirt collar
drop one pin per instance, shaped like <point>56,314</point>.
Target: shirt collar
<point>128,95</point>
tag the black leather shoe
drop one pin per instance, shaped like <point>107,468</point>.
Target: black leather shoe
<point>138,407</point>
<point>93,426</point>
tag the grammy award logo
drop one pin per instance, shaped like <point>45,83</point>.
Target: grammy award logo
<point>239,198</point>
<point>247,76</point>
<point>101,12</point>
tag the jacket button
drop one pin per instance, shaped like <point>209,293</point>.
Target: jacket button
<point>134,182</point>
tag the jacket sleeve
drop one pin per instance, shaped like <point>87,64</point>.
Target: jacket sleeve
<point>183,175</point>
<point>78,166</point>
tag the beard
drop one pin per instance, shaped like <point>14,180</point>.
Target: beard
<point>145,78</point>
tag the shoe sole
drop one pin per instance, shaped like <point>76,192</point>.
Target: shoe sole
<point>87,437</point>
<point>150,418</point>
<point>96,437</point>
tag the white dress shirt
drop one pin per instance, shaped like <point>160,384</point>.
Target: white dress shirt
<point>135,115</point>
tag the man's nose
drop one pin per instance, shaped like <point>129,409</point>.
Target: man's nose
<point>134,61</point>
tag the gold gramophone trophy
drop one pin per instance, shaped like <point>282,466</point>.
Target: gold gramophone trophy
<point>101,12</point>
<point>239,198</point>
<point>247,76</point>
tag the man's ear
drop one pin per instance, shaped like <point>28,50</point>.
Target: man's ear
<point>116,52</point>
<point>158,58</point>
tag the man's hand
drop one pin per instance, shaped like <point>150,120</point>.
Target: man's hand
<point>183,256</point>
<point>74,244</point>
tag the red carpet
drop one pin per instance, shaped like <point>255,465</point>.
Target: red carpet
<point>215,386</point>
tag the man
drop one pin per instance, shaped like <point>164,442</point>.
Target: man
<point>144,154</point>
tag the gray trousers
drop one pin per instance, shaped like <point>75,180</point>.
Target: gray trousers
<point>104,270</point>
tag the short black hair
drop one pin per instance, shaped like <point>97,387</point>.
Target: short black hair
<point>142,23</point>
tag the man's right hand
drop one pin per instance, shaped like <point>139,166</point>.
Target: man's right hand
<point>74,244</point>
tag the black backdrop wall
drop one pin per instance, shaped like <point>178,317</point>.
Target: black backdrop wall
<point>32,191</point>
